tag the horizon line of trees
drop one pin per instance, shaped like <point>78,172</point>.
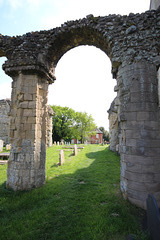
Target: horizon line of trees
<point>69,124</point>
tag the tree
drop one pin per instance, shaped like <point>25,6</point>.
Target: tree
<point>62,123</point>
<point>68,124</point>
<point>85,126</point>
<point>105,134</point>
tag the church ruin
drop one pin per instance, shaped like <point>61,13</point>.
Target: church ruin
<point>132,44</point>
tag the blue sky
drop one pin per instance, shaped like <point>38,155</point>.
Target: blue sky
<point>82,72</point>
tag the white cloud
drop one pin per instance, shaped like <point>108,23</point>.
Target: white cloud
<point>71,10</point>
<point>15,3</point>
<point>34,3</point>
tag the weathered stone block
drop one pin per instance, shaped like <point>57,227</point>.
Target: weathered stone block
<point>139,177</point>
<point>23,104</point>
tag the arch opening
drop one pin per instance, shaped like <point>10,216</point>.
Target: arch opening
<point>84,83</point>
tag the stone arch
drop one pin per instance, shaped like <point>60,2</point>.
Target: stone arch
<point>77,35</point>
<point>132,44</point>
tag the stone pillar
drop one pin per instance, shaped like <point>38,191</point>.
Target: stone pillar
<point>154,4</point>
<point>138,115</point>
<point>49,127</point>
<point>4,120</point>
<point>26,166</point>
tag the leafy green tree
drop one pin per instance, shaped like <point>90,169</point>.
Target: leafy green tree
<point>63,121</point>
<point>105,134</point>
<point>68,124</point>
<point>85,126</point>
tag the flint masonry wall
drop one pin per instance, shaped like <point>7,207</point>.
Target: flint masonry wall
<point>132,44</point>
<point>4,120</point>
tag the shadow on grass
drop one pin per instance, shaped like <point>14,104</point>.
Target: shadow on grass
<point>83,205</point>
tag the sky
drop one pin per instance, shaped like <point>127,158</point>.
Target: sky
<point>83,75</point>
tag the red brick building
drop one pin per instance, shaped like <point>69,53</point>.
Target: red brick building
<point>98,138</point>
<point>94,139</point>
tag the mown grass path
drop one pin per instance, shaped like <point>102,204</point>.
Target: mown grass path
<point>81,200</point>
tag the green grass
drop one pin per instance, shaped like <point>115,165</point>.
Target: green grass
<point>81,200</point>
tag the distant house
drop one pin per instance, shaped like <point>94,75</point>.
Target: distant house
<point>94,139</point>
<point>97,138</point>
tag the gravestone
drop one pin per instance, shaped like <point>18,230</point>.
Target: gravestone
<point>61,158</point>
<point>8,147</point>
<point>153,217</point>
<point>75,150</point>
<point>57,143</point>
<point>1,145</point>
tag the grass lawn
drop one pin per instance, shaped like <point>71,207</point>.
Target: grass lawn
<point>81,200</point>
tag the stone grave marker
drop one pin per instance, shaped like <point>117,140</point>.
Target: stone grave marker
<point>1,145</point>
<point>75,152</point>
<point>8,147</point>
<point>61,158</point>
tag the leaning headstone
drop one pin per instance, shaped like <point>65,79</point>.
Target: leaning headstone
<point>75,150</point>
<point>8,147</point>
<point>55,143</point>
<point>1,145</point>
<point>61,158</point>
<point>153,217</point>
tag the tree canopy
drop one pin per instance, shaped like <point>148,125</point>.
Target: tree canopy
<point>68,124</point>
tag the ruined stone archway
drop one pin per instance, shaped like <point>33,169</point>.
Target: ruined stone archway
<point>132,44</point>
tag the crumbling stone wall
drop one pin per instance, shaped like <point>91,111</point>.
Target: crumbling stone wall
<point>4,120</point>
<point>132,44</point>
<point>113,127</point>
